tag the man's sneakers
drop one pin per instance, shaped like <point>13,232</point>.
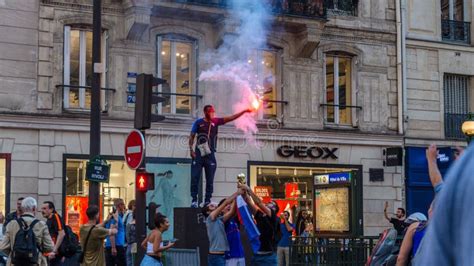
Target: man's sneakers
<point>194,204</point>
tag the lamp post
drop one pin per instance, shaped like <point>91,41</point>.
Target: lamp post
<point>468,127</point>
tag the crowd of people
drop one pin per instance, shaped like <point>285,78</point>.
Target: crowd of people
<point>421,242</point>
<point>26,240</point>
<point>223,230</point>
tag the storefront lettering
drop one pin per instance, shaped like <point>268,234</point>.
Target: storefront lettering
<point>303,152</point>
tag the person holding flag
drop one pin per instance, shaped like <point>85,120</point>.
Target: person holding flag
<point>265,216</point>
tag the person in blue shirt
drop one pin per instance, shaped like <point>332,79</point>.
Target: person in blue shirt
<point>235,256</point>
<point>115,244</point>
<point>283,249</point>
<point>205,130</point>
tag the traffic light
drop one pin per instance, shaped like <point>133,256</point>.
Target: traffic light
<point>144,99</point>
<point>145,181</point>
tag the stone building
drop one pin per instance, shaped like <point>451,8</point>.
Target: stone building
<point>329,76</point>
<point>438,71</point>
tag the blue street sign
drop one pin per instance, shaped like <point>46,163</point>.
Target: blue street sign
<point>131,74</point>
<point>332,178</point>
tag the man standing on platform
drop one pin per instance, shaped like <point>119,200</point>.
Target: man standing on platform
<point>206,130</point>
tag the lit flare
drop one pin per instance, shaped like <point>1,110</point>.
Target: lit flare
<point>256,102</point>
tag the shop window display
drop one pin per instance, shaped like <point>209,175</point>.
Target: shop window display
<point>171,189</point>
<point>3,176</point>
<point>324,194</point>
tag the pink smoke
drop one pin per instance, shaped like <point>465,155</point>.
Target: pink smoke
<point>240,74</point>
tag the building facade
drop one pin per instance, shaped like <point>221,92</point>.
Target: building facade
<point>437,85</point>
<point>329,79</point>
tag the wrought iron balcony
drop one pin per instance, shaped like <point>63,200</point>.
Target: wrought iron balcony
<point>341,7</point>
<point>456,31</point>
<point>300,8</point>
<point>453,124</point>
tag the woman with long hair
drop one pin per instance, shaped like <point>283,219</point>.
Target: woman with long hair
<point>152,243</point>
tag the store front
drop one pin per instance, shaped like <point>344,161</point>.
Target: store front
<point>171,187</point>
<point>4,182</point>
<point>331,195</point>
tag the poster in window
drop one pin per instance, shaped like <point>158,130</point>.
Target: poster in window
<point>332,209</point>
<point>171,191</point>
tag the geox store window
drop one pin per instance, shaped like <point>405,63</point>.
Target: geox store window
<point>331,195</point>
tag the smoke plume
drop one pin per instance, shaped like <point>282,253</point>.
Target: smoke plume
<point>231,83</point>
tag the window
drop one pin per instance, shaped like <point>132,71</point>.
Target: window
<point>171,190</point>
<point>342,7</point>
<point>4,175</point>
<point>456,104</point>
<point>264,63</point>
<point>454,28</point>
<point>177,64</point>
<point>329,194</point>
<point>78,67</point>
<point>338,89</point>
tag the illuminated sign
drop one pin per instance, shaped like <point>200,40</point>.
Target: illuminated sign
<point>332,178</point>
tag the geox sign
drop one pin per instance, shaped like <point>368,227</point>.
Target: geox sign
<point>313,152</point>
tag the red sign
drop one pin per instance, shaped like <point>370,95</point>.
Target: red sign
<point>264,192</point>
<point>292,191</point>
<point>134,149</point>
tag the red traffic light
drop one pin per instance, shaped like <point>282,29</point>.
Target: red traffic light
<point>144,181</point>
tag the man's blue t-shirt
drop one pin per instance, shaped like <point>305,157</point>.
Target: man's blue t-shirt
<point>120,237</point>
<point>201,128</point>
<point>236,250</point>
<point>285,235</point>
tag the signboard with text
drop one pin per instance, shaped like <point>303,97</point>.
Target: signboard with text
<point>264,192</point>
<point>332,178</point>
<point>97,170</point>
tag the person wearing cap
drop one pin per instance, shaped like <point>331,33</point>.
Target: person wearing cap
<point>203,155</point>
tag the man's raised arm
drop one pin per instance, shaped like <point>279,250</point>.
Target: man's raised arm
<point>434,173</point>
<point>231,118</point>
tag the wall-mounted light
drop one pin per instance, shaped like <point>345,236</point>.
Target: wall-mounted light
<point>468,127</point>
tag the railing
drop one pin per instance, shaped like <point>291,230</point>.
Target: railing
<point>83,101</point>
<point>453,124</point>
<point>175,256</point>
<point>342,7</point>
<point>331,251</point>
<point>456,31</point>
<point>300,8</point>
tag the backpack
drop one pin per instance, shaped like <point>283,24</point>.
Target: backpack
<point>70,245</point>
<point>25,250</point>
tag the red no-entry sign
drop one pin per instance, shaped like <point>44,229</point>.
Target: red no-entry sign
<point>134,149</point>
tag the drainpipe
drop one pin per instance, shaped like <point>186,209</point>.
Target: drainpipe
<point>403,11</point>
<point>400,82</point>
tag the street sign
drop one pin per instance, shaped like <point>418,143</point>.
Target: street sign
<point>97,170</point>
<point>134,149</point>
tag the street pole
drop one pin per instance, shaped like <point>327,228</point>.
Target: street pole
<point>140,218</point>
<point>95,96</point>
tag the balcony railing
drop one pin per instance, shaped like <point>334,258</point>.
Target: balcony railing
<point>341,7</point>
<point>331,251</point>
<point>78,98</point>
<point>456,31</point>
<point>300,8</point>
<point>453,124</point>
